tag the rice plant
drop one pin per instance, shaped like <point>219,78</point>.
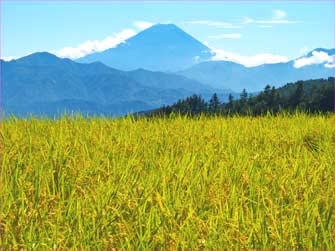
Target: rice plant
<point>167,183</point>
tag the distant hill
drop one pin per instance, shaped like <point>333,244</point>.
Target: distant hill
<point>310,87</point>
<point>167,80</point>
<point>162,47</point>
<point>43,84</point>
<point>218,74</point>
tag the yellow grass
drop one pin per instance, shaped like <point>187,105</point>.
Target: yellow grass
<point>178,183</point>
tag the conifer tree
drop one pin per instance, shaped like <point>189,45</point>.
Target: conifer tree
<point>214,104</point>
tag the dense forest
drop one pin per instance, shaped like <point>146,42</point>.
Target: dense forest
<point>311,96</point>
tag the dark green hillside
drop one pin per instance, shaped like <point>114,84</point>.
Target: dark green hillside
<point>311,96</point>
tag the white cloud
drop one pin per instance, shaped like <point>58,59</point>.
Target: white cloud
<point>275,22</point>
<point>9,58</point>
<point>196,59</point>
<point>248,61</point>
<point>265,26</point>
<point>248,20</point>
<point>89,46</point>
<point>278,18</point>
<point>205,43</point>
<point>222,36</point>
<point>142,25</point>
<point>272,21</point>
<point>318,57</point>
<point>215,23</point>
<point>303,50</point>
<point>330,65</point>
<point>279,14</point>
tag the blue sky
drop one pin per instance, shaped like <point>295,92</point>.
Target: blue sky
<point>247,31</point>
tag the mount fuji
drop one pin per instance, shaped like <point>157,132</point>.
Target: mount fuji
<point>162,47</point>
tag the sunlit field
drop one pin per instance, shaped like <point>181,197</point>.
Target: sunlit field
<point>168,183</point>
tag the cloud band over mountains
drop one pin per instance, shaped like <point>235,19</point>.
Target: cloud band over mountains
<point>248,61</point>
<point>90,46</point>
<point>318,57</point>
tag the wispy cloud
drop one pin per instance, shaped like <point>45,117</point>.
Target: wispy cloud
<point>318,57</point>
<point>276,22</point>
<point>303,50</point>
<point>278,17</point>
<point>89,46</point>
<point>330,65</point>
<point>248,61</point>
<point>279,14</point>
<point>223,36</point>
<point>142,25</point>
<point>216,24</point>
<point>265,26</point>
<point>248,20</point>
<point>205,43</point>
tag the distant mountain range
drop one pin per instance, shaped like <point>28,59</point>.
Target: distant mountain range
<point>156,67</point>
<point>225,74</point>
<point>165,47</point>
<point>43,84</point>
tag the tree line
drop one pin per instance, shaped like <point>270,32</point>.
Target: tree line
<point>311,96</point>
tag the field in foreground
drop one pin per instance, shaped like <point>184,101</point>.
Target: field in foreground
<point>179,183</point>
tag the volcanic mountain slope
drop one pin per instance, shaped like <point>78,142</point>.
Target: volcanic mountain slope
<point>162,47</point>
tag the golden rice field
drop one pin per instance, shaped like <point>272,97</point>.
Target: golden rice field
<point>168,183</point>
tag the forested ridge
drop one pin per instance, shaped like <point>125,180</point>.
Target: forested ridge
<point>311,96</point>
